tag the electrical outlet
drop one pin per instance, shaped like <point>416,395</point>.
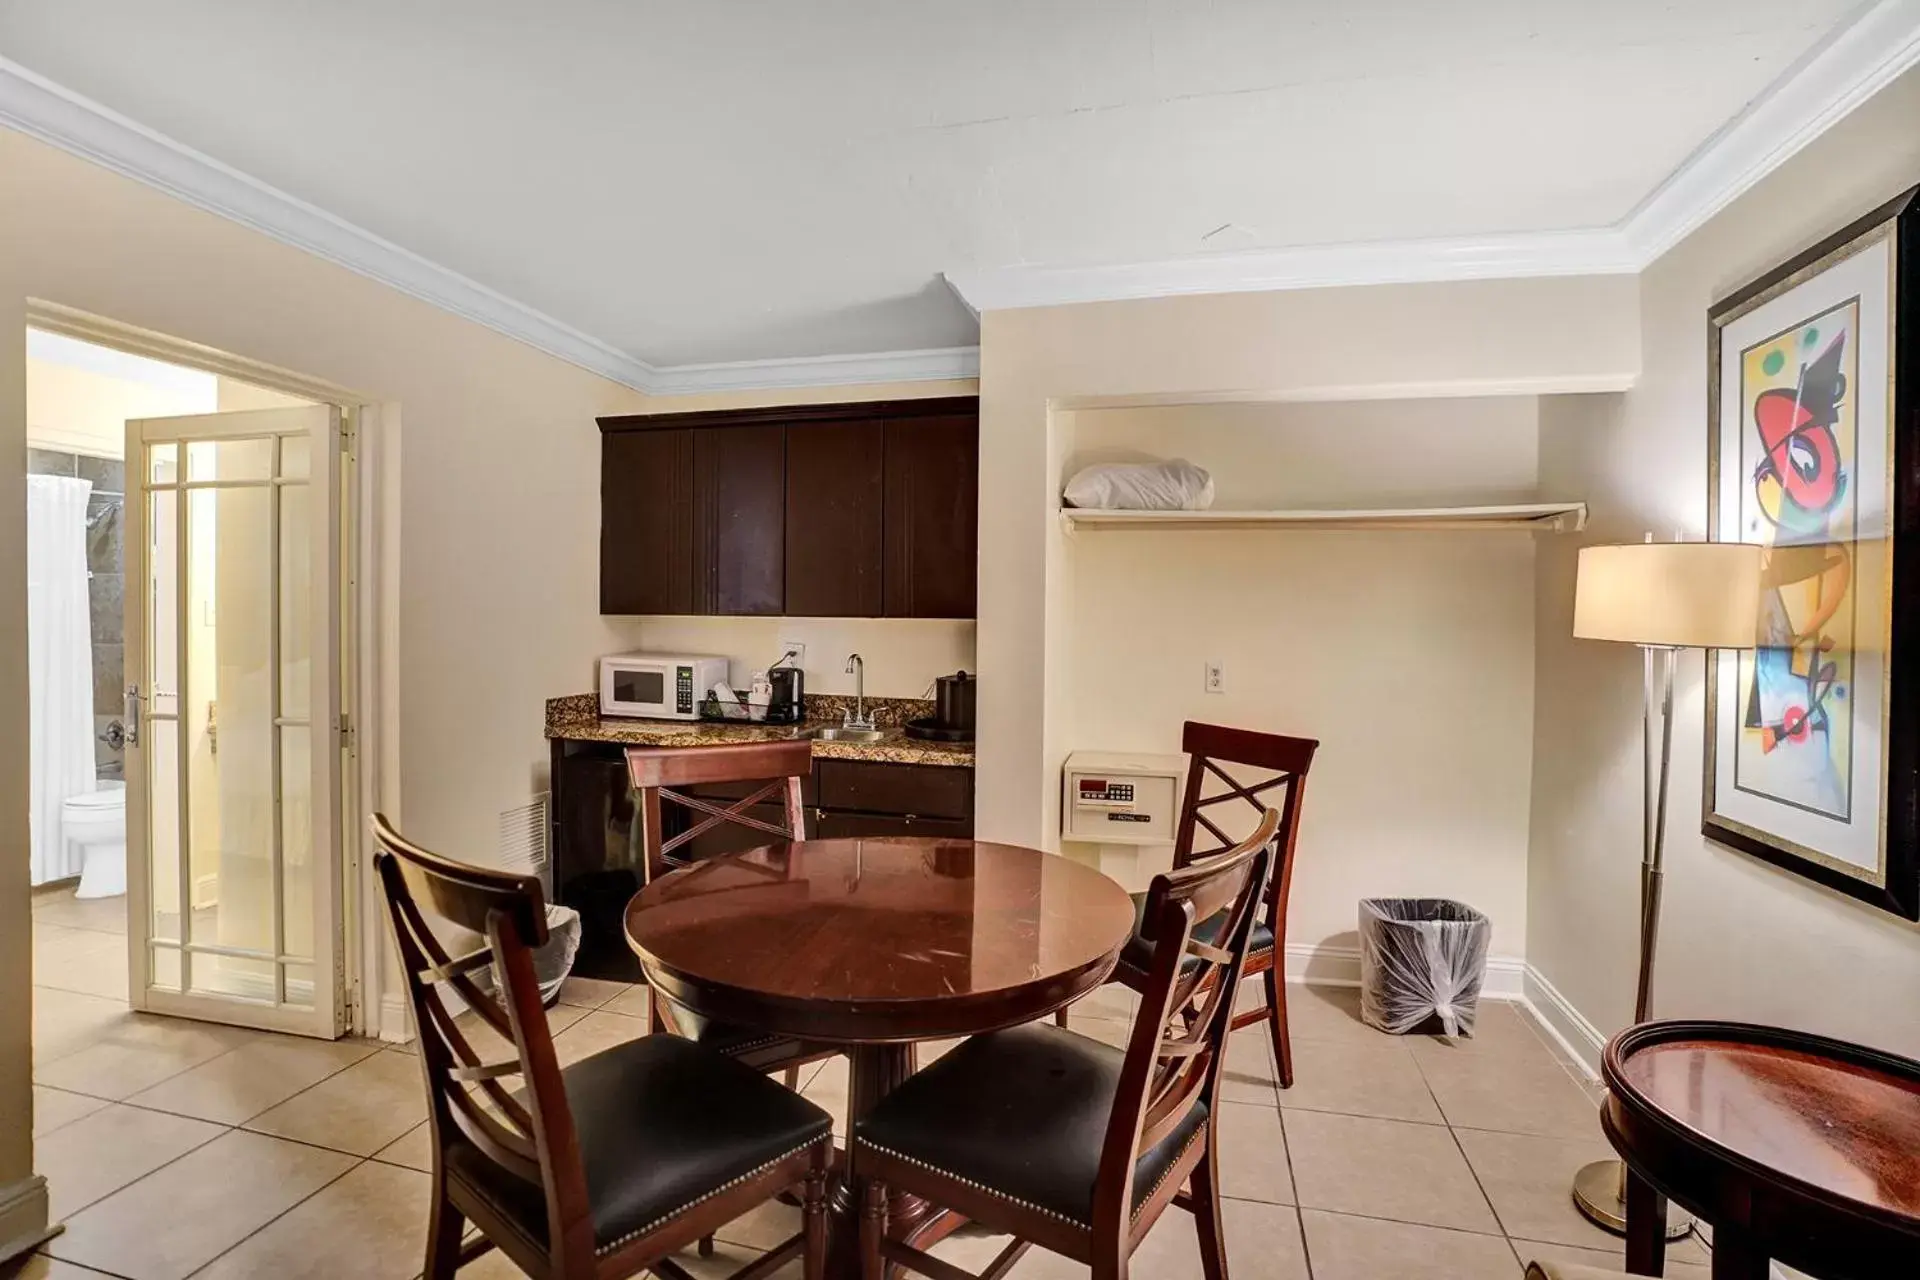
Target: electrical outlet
<point>797,649</point>
<point>1216,676</point>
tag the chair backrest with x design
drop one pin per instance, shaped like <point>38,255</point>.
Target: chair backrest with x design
<point>528,1133</point>
<point>1247,772</point>
<point>658,773</point>
<point>1175,1053</point>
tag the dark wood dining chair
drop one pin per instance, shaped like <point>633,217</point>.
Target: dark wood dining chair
<point>1218,758</point>
<point>659,775</point>
<point>601,1169</point>
<point>1066,1142</point>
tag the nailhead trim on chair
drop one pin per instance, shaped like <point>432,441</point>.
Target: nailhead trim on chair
<point>605,1249</point>
<point>995,1192</point>
<point>1198,1134</point>
<point>1025,1204</point>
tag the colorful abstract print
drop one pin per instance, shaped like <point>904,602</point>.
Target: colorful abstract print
<point>1799,446</point>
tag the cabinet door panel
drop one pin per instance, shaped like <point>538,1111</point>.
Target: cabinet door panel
<point>932,516</point>
<point>928,790</point>
<point>646,522</point>
<point>739,500</point>
<point>834,520</point>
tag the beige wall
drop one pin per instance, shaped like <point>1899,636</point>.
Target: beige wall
<point>1740,939</point>
<point>1516,337</point>
<point>85,411</point>
<point>1408,655</point>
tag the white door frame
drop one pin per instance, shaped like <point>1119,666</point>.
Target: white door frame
<point>369,652</point>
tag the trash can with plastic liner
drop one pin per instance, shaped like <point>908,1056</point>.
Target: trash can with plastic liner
<point>1422,961</point>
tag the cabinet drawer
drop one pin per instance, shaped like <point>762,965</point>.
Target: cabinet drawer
<point>925,790</point>
<point>848,826</point>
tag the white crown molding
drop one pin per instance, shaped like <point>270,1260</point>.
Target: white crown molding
<point>1852,64</point>
<point>1837,75</point>
<point>41,109</point>
<point>937,364</point>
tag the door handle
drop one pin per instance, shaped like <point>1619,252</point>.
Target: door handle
<point>133,715</point>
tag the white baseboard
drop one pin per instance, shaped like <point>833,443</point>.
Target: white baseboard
<point>23,1217</point>
<point>1340,967</point>
<point>1580,1039</point>
<point>395,1025</point>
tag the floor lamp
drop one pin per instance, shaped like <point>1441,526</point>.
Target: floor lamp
<point>1664,597</point>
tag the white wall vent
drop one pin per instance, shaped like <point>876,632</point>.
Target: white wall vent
<point>523,840</point>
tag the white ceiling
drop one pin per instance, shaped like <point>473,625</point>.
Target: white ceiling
<point>712,180</point>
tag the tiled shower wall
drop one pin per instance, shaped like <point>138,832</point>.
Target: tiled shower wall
<point>106,520</point>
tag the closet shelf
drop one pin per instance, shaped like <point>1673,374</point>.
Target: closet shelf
<point>1550,517</point>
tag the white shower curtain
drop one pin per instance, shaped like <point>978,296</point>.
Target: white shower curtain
<point>60,664</point>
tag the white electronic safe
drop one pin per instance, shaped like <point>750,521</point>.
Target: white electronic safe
<point>1121,797</point>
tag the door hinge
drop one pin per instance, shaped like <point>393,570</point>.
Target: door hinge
<point>349,738</point>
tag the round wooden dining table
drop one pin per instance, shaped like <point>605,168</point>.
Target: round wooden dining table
<point>875,945</point>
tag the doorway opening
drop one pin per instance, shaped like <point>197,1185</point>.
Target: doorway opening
<point>173,539</point>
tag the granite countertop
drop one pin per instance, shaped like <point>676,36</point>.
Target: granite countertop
<point>577,718</point>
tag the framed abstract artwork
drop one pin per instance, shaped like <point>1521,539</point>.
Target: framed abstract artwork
<point>1813,735</point>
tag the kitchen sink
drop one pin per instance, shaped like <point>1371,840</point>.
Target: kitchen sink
<point>832,734</point>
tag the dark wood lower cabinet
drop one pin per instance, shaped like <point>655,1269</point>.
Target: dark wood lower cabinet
<point>592,862</point>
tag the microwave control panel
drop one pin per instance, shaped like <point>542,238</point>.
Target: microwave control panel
<point>683,689</point>
<point>1114,798</point>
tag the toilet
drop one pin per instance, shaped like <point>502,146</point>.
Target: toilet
<point>97,822</point>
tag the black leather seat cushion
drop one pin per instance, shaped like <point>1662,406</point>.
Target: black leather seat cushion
<point>662,1122</point>
<point>1138,953</point>
<point>1022,1112</point>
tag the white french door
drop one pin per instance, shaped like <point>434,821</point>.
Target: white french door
<point>233,643</point>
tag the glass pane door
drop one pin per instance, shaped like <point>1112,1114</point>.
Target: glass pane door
<point>233,661</point>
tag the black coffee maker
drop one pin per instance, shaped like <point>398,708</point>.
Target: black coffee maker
<point>787,704</point>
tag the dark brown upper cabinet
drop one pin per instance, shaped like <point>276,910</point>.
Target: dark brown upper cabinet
<point>835,508</point>
<point>739,532</point>
<point>843,510</point>
<point>646,522</point>
<point>932,516</point>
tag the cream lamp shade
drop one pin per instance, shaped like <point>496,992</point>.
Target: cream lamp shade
<point>1686,595</point>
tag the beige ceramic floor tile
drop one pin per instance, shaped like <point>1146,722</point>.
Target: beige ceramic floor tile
<point>40,1267</point>
<point>359,1110</point>
<point>170,1223</point>
<point>490,1044</point>
<point>98,1154</point>
<point>596,1031</point>
<point>1360,1079</point>
<point>1501,1030</point>
<point>1109,1031</point>
<point>1263,1240</point>
<point>55,1107</point>
<point>1534,1096</point>
<point>374,1220</point>
<point>1611,1259</point>
<point>1384,1169</point>
<point>413,1149</point>
<point>762,1228</point>
<point>633,1002</point>
<point>1317,1013</point>
<point>591,993</point>
<point>1350,1248</point>
<point>1529,1180</point>
<point>104,915</point>
<point>1249,1074</point>
<point>65,1022</point>
<point>1253,1154</point>
<point>137,1052</point>
<point>239,1085</point>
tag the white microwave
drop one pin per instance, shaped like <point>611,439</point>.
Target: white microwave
<point>658,686</point>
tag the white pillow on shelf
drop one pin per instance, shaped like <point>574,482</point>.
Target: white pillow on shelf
<point>1173,485</point>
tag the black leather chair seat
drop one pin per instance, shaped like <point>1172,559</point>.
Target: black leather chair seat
<point>662,1122</point>
<point>1138,953</point>
<point>1023,1113</point>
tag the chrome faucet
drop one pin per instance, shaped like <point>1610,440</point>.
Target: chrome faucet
<point>858,718</point>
